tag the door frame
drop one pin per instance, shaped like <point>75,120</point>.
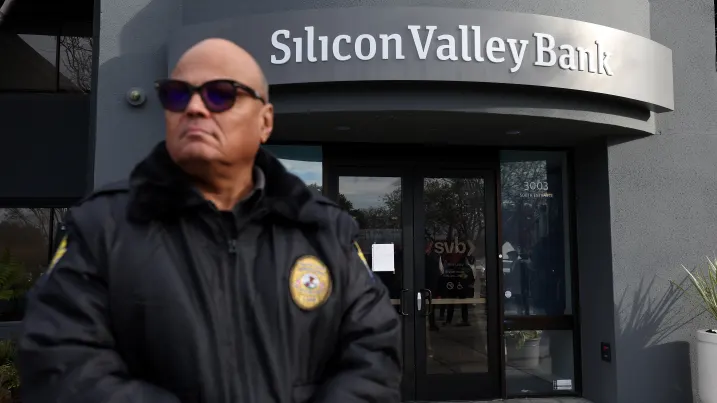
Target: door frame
<point>458,383</point>
<point>412,164</point>
<point>408,385</point>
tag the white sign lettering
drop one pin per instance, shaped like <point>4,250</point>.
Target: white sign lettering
<point>454,246</point>
<point>468,46</point>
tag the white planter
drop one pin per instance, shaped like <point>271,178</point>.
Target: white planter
<point>707,366</point>
<point>526,357</point>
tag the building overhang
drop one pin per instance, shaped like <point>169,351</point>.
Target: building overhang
<point>455,113</point>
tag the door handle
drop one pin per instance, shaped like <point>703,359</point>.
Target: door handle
<point>419,300</point>
<point>400,303</point>
<point>429,301</point>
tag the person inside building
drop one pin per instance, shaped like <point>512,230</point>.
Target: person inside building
<point>212,274</point>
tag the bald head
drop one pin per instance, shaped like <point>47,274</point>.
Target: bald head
<point>228,59</point>
<point>221,128</point>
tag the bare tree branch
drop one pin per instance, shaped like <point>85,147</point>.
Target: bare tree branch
<point>77,61</point>
<point>38,218</point>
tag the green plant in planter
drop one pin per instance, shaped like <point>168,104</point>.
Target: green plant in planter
<point>521,336</point>
<point>15,280</point>
<point>704,287</point>
<point>9,375</point>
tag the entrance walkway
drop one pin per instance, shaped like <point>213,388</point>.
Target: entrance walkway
<point>541,400</point>
<point>532,400</point>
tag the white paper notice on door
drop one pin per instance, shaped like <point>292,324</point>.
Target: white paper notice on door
<point>382,257</point>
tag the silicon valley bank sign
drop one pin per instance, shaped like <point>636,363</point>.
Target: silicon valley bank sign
<point>466,45</point>
<point>440,44</point>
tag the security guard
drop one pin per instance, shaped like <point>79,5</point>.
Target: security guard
<point>213,275</point>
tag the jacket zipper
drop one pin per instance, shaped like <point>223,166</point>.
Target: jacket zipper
<point>232,235</point>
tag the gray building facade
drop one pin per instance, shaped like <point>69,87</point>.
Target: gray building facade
<point>559,154</point>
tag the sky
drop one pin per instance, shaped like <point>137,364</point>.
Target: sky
<point>364,192</point>
<point>308,171</point>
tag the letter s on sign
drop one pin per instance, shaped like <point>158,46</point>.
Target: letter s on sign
<point>280,46</point>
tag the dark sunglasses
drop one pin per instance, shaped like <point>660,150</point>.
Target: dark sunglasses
<point>217,95</point>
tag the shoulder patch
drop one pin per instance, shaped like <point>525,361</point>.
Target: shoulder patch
<point>361,256</point>
<point>309,282</point>
<point>59,253</point>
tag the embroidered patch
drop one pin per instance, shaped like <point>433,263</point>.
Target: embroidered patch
<point>59,253</point>
<point>310,283</point>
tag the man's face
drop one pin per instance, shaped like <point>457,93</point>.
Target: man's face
<point>198,135</point>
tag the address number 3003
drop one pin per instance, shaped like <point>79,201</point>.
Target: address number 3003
<point>535,186</point>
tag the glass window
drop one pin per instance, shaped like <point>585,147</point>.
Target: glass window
<point>455,223</point>
<point>75,64</point>
<point>306,162</point>
<point>25,236</point>
<point>539,362</point>
<point>46,63</point>
<point>375,203</point>
<point>58,216</point>
<point>535,249</point>
<point>29,62</point>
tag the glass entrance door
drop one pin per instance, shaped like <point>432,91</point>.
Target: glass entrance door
<point>380,201</point>
<point>456,342</point>
<point>442,226</point>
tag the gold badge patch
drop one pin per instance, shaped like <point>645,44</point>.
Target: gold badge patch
<point>310,283</point>
<point>59,253</point>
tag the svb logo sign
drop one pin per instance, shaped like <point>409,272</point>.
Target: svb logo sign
<point>454,246</point>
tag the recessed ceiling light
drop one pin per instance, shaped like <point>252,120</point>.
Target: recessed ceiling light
<point>512,132</point>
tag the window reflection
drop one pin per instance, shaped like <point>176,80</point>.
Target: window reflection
<point>306,162</point>
<point>375,203</point>
<point>539,361</point>
<point>457,331</point>
<point>535,266</point>
<point>46,63</point>
<point>29,62</point>
<point>75,64</point>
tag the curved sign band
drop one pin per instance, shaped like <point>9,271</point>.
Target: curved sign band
<point>447,44</point>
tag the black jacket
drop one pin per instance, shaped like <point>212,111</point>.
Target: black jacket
<point>159,297</point>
